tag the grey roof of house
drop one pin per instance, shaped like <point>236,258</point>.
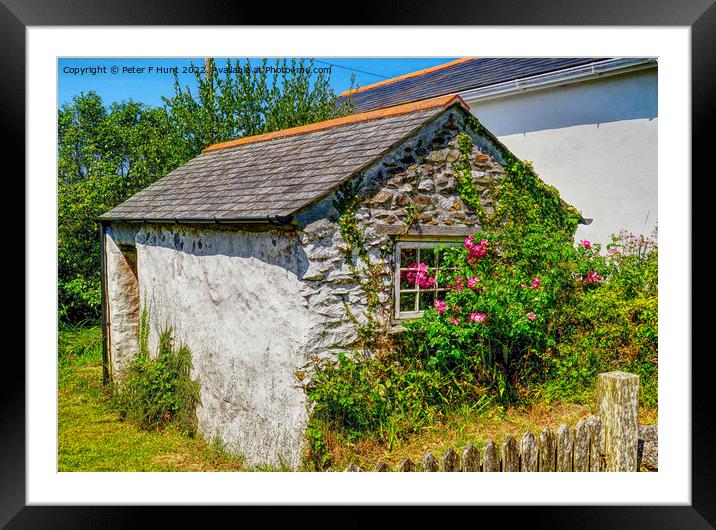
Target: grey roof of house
<point>273,178</point>
<point>459,77</point>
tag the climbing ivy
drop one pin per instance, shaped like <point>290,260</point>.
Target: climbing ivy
<point>368,275</point>
<point>465,183</point>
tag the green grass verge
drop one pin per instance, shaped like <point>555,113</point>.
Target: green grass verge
<point>91,435</point>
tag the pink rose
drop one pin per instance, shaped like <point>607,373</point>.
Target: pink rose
<point>477,317</point>
<point>440,306</point>
<point>535,282</point>
<point>453,321</point>
<point>585,243</point>
<point>592,277</point>
<point>475,251</point>
<point>458,286</point>
<point>418,274</point>
<point>531,316</point>
<point>471,282</point>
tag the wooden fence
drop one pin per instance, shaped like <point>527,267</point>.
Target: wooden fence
<point>607,442</point>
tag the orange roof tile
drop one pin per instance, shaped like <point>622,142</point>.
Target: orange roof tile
<point>406,108</point>
<point>406,76</point>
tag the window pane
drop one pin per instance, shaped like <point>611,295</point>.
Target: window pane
<point>408,279</point>
<point>408,256</point>
<point>427,256</point>
<point>427,299</point>
<point>407,301</point>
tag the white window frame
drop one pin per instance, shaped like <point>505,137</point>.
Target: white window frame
<point>421,243</point>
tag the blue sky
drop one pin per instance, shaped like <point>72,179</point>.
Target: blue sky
<point>141,80</point>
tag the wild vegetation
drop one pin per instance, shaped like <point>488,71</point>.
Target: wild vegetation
<point>529,318</point>
<point>91,435</point>
<point>108,153</point>
<point>105,155</point>
<point>516,343</point>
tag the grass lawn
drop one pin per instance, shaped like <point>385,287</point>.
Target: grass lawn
<point>92,437</point>
<point>459,429</point>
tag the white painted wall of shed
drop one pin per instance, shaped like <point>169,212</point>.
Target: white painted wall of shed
<point>122,302</point>
<point>595,141</point>
<point>235,299</point>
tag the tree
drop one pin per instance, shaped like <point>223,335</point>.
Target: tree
<point>107,154</point>
<point>244,99</point>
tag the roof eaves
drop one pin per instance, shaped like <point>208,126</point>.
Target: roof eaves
<point>397,110</point>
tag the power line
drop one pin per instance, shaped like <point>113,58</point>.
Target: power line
<point>351,69</point>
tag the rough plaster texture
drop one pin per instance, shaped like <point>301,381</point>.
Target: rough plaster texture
<point>122,300</point>
<point>259,308</point>
<point>233,297</point>
<point>595,141</point>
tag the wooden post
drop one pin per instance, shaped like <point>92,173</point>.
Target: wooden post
<point>381,467</point>
<point>406,465</point>
<point>470,458</point>
<point>618,404</point>
<point>510,455</point>
<point>528,453</point>
<point>581,446</point>
<point>450,461</point>
<point>547,450</point>
<point>429,463</point>
<point>490,457</point>
<point>564,449</point>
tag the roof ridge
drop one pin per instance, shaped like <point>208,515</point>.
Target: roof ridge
<point>397,110</point>
<point>405,76</point>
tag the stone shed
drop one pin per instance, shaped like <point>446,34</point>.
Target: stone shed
<point>260,253</point>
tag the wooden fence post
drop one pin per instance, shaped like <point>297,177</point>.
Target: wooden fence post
<point>618,405</point>
<point>528,453</point>
<point>470,458</point>
<point>490,457</point>
<point>429,462</point>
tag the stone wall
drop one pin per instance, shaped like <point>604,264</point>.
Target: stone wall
<point>414,185</point>
<point>257,307</point>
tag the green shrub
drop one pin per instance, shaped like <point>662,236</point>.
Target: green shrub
<point>528,314</point>
<point>159,391</point>
<point>612,326</point>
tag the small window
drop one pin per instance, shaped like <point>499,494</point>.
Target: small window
<point>417,264</point>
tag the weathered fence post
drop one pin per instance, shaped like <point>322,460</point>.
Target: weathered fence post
<point>470,458</point>
<point>618,404</point>
<point>406,465</point>
<point>564,448</point>
<point>510,455</point>
<point>581,446</point>
<point>490,457</point>
<point>528,453</point>
<point>429,462</point>
<point>450,461</point>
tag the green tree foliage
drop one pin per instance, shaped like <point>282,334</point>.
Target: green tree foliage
<point>246,98</point>
<point>108,153</point>
<point>527,314</point>
<point>104,156</point>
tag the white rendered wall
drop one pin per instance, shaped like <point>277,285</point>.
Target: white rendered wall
<point>595,141</point>
<point>234,298</point>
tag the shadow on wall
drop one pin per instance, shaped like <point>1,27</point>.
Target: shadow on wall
<point>616,98</point>
<point>271,247</point>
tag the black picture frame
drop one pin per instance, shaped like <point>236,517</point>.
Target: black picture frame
<point>699,15</point>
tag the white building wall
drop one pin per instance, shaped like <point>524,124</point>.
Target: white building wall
<point>595,141</point>
<point>234,298</point>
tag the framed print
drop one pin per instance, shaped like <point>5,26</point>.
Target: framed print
<point>239,302</point>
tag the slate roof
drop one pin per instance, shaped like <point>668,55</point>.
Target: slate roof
<point>276,174</point>
<point>454,77</point>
